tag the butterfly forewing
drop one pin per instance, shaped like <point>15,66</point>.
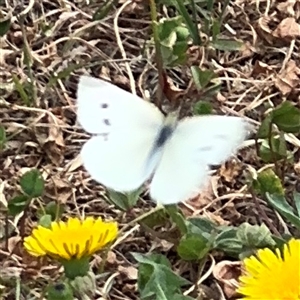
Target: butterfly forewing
<point>125,127</point>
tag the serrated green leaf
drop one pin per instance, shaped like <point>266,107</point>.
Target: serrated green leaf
<point>227,45</point>
<point>284,209</point>
<point>287,117</point>
<point>228,242</point>
<point>193,247</point>
<point>17,204</point>
<point>32,183</point>
<point>151,259</point>
<point>268,182</point>
<point>155,277</point>
<point>255,236</point>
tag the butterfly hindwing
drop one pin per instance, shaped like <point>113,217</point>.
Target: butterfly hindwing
<point>195,144</point>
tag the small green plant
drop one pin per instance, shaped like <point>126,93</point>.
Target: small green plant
<point>282,120</point>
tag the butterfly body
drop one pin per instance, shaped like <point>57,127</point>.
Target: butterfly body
<point>133,141</point>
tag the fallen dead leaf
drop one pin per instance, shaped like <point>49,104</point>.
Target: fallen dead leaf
<point>58,189</point>
<point>130,272</point>
<point>50,137</point>
<point>227,274</point>
<point>171,92</point>
<point>14,245</point>
<point>230,170</point>
<point>261,68</point>
<point>289,78</point>
<point>290,7</point>
<point>287,29</point>
<point>263,29</point>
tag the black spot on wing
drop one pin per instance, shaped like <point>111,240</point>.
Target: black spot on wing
<point>106,122</point>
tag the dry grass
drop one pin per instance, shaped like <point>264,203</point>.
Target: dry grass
<point>62,39</point>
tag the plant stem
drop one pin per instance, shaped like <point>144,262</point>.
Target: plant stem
<point>28,61</point>
<point>272,150</point>
<point>158,56</point>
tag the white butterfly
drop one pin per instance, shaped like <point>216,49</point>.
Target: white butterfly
<point>133,141</point>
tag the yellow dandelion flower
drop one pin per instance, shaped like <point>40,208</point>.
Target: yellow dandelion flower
<point>272,275</point>
<point>73,239</point>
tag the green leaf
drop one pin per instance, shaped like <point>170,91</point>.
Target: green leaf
<point>177,217</point>
<point>193,247</point>
<point>228,242</point>
<point>211,91</point>
<point>157,218</point>
<point>32,183</point>
<point>264,129</point>
<point>201,225</point>
<point>268,182</point>
<point>287,117</point>
<point>63,74</point>
<point>192,27</point>
<point>283,208</point>
<point>173,38</point>
<point>202,108</point>
<point>124,201</point>
<point>17,204</point>
<point>182,33</point>
<point>59,291</point>
<point>54,209</point>
<point>4,26</point>
<point>255,236</point>
<point>296,197</point>
<point>227,45</point>
<point>103,10</point>
<point>202,78</point>
<point>216,27</point>
<point>45,221</point>
<point>279,149</point>
<point>181,297</point>
<point>3,138</point>
<point>155,277</point>
<point>167,30</point>
<point>21,90</point>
